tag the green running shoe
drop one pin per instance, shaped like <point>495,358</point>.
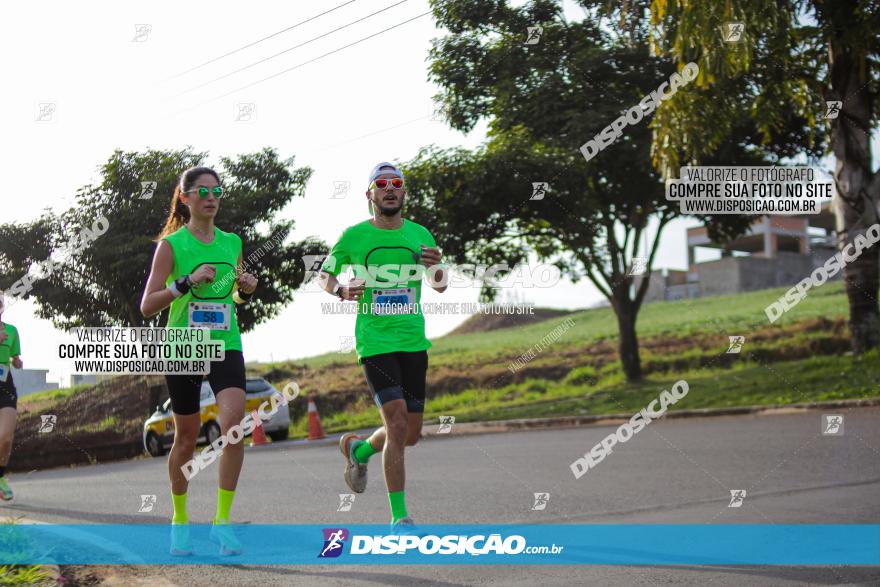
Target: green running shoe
<point>5,490</point>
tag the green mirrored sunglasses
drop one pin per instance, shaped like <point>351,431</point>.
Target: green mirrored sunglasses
<point>203,191</point>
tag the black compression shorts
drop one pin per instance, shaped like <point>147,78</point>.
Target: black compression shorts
<point>185,390</point>
<point>8,394</point>
<point>399,375</point>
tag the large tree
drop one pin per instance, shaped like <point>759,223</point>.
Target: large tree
<point>793,56</point>
<point>543,101</point>
<point>100,284</point>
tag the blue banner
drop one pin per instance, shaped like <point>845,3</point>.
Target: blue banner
<point>570,544</point>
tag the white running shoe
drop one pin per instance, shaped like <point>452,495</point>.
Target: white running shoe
<point>355,472</point>
<point>404,527</point>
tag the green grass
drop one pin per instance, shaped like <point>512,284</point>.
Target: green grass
<point>732,314</point>
<point>809,380</point>
<point>110,422</point>
<point>747,383</point>
<point>13,548</point>
<point>24,575</point>
<point>55,395</point>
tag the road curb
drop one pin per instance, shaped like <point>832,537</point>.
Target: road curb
<point>586,420</point>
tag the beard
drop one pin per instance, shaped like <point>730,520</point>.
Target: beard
<point>386,210</point>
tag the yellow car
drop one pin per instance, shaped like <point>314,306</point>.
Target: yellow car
<point>159,427</point>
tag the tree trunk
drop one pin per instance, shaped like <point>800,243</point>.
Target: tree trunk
<point>856,204</point>
<point>861,278</point>
<point>626,313</point>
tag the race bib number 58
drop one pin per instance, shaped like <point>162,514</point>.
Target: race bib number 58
<point>4,372</point>
<point>205,315</point>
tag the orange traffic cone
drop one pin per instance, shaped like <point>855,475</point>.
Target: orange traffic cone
<point>258,437</point>
<point>315,429</point>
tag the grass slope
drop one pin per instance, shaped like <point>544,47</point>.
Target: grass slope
<point>732,314</point>
<point>803,357</point>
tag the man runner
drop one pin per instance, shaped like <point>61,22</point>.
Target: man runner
<point>388,255</point>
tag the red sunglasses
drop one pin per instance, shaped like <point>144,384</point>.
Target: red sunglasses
<point>396,183</point>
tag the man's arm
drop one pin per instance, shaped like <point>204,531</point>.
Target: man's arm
<point>436,279</point>
<point>338,258</point>
<point>329,283</point>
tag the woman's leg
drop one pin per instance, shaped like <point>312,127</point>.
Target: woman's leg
<point>228,381</point>
<point>186,434</point>
<point>184,392</point>
<point>7,432</point>
<point>230,404</point>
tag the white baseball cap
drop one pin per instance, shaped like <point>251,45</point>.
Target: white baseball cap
<point>382,168</point>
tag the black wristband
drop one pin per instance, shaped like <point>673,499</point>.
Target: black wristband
<point>245,296</point>
<point>183,284</point>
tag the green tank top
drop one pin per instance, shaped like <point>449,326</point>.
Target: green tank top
<point>207,305</point>
<point>11,347</point>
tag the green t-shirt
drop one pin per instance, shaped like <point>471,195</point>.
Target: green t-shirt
<point>208,304</point>
<point>11,347</point>
<point>376,255</point>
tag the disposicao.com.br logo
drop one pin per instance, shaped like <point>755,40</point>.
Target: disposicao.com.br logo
<point>334,541</point>
<point>430,544</point>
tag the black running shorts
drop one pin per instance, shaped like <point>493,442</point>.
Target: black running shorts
<point>8,394</point>
<point>185,390</point>
<point>399,375</point>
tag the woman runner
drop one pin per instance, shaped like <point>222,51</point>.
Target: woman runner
<point>194,272</point>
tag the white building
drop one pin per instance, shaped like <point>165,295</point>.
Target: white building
<point>31,380</point>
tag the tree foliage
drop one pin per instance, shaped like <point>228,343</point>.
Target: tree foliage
<point>101,284</point>
<point>794,57</point>
<point>542,102</point>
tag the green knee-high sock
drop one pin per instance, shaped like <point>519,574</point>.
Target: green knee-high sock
<point>224,504</point>
<point>179,502</point>
<point>363,451</point>
<point>398,505</point>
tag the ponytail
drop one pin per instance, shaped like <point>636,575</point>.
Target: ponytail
<point>179,213</point>
<point>177,217</point>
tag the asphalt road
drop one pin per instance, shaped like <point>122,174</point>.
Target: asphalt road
<point>677,471</point>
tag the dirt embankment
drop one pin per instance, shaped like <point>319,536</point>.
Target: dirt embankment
<point>102,423</point>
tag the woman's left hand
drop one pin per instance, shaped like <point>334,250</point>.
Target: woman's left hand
<point>247,283</point>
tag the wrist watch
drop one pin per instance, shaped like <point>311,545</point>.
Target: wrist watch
<point>337,291</point>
